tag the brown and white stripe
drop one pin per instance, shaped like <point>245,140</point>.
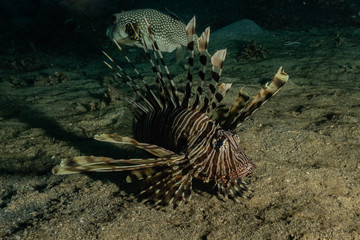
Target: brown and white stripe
<point>192,137</point>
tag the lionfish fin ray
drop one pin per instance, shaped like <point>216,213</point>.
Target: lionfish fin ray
<point>123,75</point>
<point>169,187</point>
<point>139,174</point>
<point>156,69</point>
<point>229,116</point>
<point>236,189</point>
<point>217,61</point>
<point>150,98</point>
<point>190,31</point>
<point>173,97</point>
<point>106,164</point>
<point>203,44</point>
<point>150,148</point>
<point>262,96</point>
<point>217,109</point>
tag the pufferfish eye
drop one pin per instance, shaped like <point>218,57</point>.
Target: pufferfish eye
<point>130,31</point>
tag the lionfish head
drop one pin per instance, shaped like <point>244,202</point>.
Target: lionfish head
<point>232,162</point>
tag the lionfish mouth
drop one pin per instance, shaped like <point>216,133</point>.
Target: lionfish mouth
<point>245,171</point>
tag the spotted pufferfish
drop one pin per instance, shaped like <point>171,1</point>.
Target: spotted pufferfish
<point>191,135</point>
<point>168,30</point>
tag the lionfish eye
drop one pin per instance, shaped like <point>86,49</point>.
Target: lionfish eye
<point>220,142</point>
<point>130,31</point>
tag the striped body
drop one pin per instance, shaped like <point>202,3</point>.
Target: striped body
<point>200,138</point>
<point>191,136</point>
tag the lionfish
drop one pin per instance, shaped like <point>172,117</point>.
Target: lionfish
<point>192,135</point>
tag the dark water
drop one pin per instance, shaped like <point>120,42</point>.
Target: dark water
<point>305,141</point>
<point>48,23</point>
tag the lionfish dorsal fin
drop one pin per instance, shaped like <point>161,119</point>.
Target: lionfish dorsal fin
<point>151,97</point>
<point>203,44</point>
<point>164,94</point>
<point>218,111</point>
<point>227,116</point>
<point>190,32</point>
<point>173,97</point>
<point>262,96</point>
<point>156,69</point>
<point>151,101</point>
<point>217,61</point>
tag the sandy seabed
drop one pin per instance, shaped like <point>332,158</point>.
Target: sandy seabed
<point>305,143</point>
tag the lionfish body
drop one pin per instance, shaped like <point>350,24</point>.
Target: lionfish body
<point>204,143</point>
<point>191,136</point>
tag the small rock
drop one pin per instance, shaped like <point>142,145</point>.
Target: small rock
<point>238,31</point>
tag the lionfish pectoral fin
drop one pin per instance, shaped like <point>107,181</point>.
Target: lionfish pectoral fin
<point>150,148</point>
<point>139,174</point>
<point>236,189</point>
<point>105,164</point>
<point>172,186</point>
